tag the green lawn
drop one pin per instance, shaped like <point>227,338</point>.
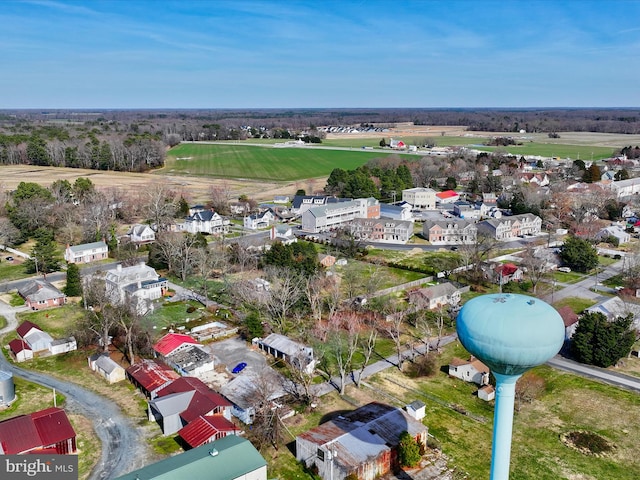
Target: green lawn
<point>567,277</point>
<point>57,322</point>
<point>567,403</point>
<point>606,261</point>
<point>12,270</point>
<point>260,162</point>
<point>555,150</point>
<point>614,281</point>
<point>577,304</point>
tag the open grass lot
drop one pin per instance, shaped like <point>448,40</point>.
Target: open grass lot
<point>568,403</point>
<point>577,304</point>
<point>12,270</point>
<point>567,277</point>
<point>555,150</point>
<point>58,322</point>
<point>259,162</point>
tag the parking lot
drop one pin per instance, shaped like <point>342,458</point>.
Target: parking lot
<point>232,351</point>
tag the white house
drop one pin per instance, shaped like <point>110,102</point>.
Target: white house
<point>137,285</point>
<point>259,220</point>
<point>420,197</point>
<point>472,370</point>
<point>615,231</point>
<point>205,221</point>
<point>87,252</point>
<point>436,296</point>
<point>510,228</point>
<point>626,188</point>
<point>396,212</point>
<point>333,215</point>
<point>141,234</point>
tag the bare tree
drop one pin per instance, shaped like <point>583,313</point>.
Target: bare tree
<point>267,428</point>
<point>8,233</point>
<point>220,197</point>
<point>159,206</point>
<point>179,251</point>
<point>313,290</point>
<point>367,344</point>
<point>535,260</point>
<point>285,291</point>
<point>475,253</point>
<point>340,346</point>
<point>128,320</point>
<point>394,327</point>
<point>333,296</point>
<point>98,320</point>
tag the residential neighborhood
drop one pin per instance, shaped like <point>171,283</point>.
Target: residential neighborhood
<point>323,320</point>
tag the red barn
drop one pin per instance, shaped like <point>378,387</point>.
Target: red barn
<point>47,430</point>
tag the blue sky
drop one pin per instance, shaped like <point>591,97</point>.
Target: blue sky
<point>295,54</point>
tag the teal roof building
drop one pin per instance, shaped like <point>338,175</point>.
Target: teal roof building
<point>230,458</point>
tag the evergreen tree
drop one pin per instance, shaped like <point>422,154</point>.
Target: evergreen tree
<point>451,183</point>
<point>600,341</point>
<point>254,325</point>
<point>579,254</point>
<point>183,208</point>
<point>408,450</point>
<point>74,282</point>
<point>592,174</point>
<point>45,257</point>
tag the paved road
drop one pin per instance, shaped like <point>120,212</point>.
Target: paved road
<point>583,288</point>
<point>595,373</point>
<point>380,365</point>
<point>123,445</point>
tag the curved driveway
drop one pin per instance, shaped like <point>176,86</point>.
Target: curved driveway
<point>123,445</point>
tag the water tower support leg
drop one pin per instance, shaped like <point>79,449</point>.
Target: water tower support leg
<point>503,425</point>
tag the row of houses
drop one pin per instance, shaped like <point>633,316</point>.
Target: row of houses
<point>458,231</point>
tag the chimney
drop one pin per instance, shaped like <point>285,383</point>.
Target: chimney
<point>119,267</point>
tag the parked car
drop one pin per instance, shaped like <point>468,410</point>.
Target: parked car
<point>9,259</point>
<point>564,269</point>
<point>239,367</point>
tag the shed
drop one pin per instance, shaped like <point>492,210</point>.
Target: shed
<point>417,409</point>
<point>487,393</point>
<point>106,367</point>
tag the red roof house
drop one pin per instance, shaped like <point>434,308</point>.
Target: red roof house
<point>448,196</point>
<point>206,429</point>
<point>570,319</point>
<point>20,350</point>
<point>149,376</point>
<point>172,343</point>
<point>25,328</point>
<point>47,430</point>
<point>507,272</point>
<point>183,401</point>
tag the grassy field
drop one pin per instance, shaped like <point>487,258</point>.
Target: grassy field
<point>257,162</point>
<point>555,150</point>
<point>577,304</point>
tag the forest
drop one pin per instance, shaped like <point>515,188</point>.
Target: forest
<point>137,140</point>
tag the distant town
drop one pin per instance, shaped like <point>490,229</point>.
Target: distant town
<point>273,294</point>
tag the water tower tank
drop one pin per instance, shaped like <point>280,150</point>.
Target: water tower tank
<point>7,388</point>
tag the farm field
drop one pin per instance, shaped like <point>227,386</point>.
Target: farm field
<point>260,162</point>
